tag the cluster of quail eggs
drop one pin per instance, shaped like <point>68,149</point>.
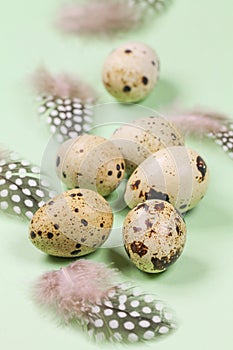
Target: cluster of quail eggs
<point>165,179</point>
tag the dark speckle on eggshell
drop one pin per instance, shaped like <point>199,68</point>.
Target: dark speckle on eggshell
<point>145,80</point>
<point>33,235</point>
<point>153,194</point>
<point>142,205</point>
<point>164,262</point>
<point>75,252</point>
<point>84,222</point>
<point>135,185</point>
<point>159,206</point>
<point>126,88</point>
<point>148,223</point>
<point>137,229</point>
<point>139,248</point>
<point>201,166</point>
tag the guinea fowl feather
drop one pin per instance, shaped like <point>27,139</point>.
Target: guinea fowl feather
<point>87,293</point>
<point>201,124</point>
<point>22,191</point>
<point>66,103</point>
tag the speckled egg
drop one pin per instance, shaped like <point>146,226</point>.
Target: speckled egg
<point>73,224</point>
<point>142,137</point>
<point>92,162</point>
<point>154,235</point>
<point>176,174</point>
<point>131,71</point>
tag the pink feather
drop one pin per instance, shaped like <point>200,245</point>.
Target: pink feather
<point>100,16</point>
<point>62,85</point>
<point>90,294</point>
<point>213,125</point>
<point>199,123</point>
<point>70,289</point>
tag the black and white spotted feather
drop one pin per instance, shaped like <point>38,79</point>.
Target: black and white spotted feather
<point>65,101</point>
<point>67,118</point>
<point>151,5</point>
<point>87,293</point>
<point>224,137</point>
<point>22,191</point>
<point>211,125</point>
<point>129,316</point>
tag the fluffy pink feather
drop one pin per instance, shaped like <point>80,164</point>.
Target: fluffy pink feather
<point>75,287</point>
<point>199,123</point>
<point>62,85</point>
<point>213,125</point>
<point>100,16</point>
<point>89,293</point>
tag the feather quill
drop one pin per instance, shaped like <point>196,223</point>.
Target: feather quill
<point>66,103</point>
<point>22,191</point>
<point>213,125</point>
<point>85,292</point>
<point>107,16</point>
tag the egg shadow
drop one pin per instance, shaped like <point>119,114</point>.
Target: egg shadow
<point>164,94</point>
<point>63,262</point>
<point>187,270</point>
<point>118,258</point>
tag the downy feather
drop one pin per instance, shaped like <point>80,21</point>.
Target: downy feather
<point>107,16</point>
<point>87,293</point>
<point>201,124</point>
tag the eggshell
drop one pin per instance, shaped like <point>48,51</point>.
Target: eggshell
<point>92,162</point>
<point>142,137</point>
<point>176,174</point>
<point>131,71</point>
<point>154,235</point>
<point>73,224</point>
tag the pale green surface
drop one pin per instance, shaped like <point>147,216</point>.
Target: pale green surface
<point>194,42</point>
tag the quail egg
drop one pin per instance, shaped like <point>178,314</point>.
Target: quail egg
<point>142,137</point>
<point>72,224</point>
<point>92,162</point>
<point>131,71</point>
<point>154,235</point>
<point>176,174</point>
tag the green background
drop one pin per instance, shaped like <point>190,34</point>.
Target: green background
<point>194,42</point>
